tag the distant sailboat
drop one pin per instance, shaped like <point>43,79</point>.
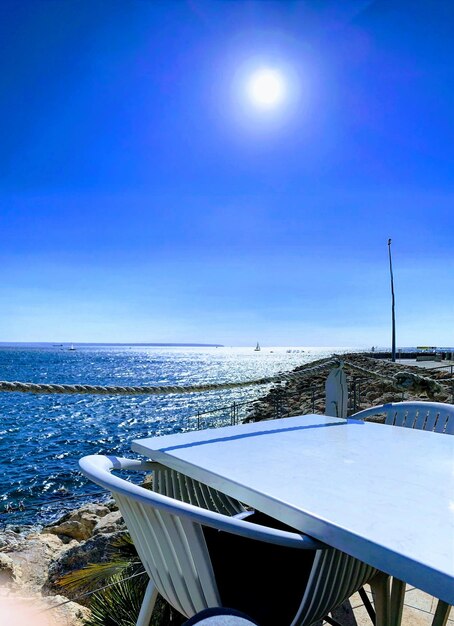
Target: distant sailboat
<point>71,347</point>
<point>257,347</point>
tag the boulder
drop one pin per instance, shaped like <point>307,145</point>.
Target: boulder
<point>11,541</point>
<point>110,523</point>
<point>69,613</point>
<point>80,523</point>
<point>394,396</point>
<point>10,572</point>
<point>98,549</point>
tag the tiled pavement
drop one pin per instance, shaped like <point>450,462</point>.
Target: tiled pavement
<point>419,609</point>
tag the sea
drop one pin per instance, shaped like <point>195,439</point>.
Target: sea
<point>42,437</point>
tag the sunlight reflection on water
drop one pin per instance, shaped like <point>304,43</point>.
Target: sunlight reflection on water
<point>42,437</point>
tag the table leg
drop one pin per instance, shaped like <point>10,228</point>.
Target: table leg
<point>380,591</point>
<point>397,601</point>
<point>441,614</point>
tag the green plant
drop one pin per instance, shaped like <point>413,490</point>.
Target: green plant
<point>124,582</point>
<point>119,604</point>
<point>124,561</point>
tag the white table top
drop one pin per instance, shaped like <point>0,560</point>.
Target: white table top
<point>383,494</point>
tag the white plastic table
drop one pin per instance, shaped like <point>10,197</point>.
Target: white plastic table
<point>382,494</point>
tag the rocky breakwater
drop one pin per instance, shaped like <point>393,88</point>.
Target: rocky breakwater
<point>371,382</point>
<point>31,563</point>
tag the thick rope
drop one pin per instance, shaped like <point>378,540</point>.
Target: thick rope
<point>403,381</point>
<point>111,390</point>
<point>369,372</point>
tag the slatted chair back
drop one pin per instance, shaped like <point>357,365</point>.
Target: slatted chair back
<point>176,485</point>
<point>335,576</point>
<point>174,543</point>
<point>433,416</point>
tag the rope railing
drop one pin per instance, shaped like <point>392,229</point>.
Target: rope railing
<point>111,390</point>
<point>369,372</point>
<point>397,380</point>
<point>404,380</point>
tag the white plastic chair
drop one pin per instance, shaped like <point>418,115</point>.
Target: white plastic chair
<point>433,416</point>
<point>197,558</point>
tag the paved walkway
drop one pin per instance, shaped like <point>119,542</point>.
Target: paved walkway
<point>419,609</point>
<point>442,366</point>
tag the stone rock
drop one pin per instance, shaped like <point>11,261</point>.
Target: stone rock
<point>10,541</point>
<point>10,572</point>
<point>80,523</point>
<point>390,397</point>
<point>94,509</point>
<point>99,510</point>
<point>109,523</point>
<point>69,613</point>
<point>24,608</point>
<point>54,544</point>
<point>111,505</point>
<point>24,570</point>
<point>98,549</point>
<point>77,530</point>
<point>33,559</point>
<point>412,381</point>
<point>372,397</point>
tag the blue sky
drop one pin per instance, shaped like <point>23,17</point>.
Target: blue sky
<point>144,198</point>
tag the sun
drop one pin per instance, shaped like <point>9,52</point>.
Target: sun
<point>266,88</point>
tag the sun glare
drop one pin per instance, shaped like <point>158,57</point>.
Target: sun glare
<point>266,88</point>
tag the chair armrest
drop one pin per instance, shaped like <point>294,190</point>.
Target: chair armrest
<point>121,463</point>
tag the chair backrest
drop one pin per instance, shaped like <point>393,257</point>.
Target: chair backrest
<point>174,545</point>
<point>335,576</point>
<point>176,485</point>
<point>434,416</point>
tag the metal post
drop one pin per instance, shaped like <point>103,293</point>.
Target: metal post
<point>452,386</point>
<point>277,406</point>
<point>393,349</point>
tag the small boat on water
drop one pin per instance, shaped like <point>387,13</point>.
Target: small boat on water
<point>71,347</point>
<point>257,347</point>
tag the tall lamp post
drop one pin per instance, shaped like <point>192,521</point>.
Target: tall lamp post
<point>393,349</point>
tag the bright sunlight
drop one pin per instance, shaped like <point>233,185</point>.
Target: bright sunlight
<point>266,88</point>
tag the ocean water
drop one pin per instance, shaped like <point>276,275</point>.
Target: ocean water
<point>42,437</point>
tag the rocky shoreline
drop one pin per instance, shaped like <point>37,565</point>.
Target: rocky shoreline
<point>307,395</point>
<point>31,563</point>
